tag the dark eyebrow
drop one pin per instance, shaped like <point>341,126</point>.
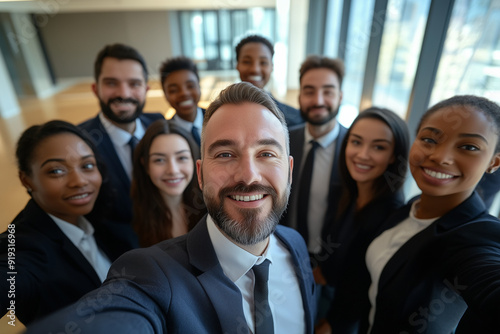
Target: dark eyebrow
<point>220,143</point>
<point>271,142</point>
<point>472,135</point>
<point>376,140</point>
<point>324,86</point>
<point>433,130</point>
<point>460,135</point>
<point>64,160</point>
<point>229,142</point>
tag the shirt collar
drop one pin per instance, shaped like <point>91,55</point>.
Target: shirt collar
<point>73,232</point>
<point>234,260</point>
<point>198,121</point>
<point>119,136</point>
<point>325,140</point>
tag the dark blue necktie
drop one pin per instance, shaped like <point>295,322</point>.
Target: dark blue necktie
<point>196,135</point>
<point>304,191</point>
<point>133,143</point>
<point>262,312</point>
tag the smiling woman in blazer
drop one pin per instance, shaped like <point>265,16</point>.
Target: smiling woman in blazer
<point>437,266</point>
<point>56,249</point>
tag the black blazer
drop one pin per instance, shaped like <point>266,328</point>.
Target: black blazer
<point>292,115</point>
<point>118,179</point>
<point>51,271</point>
<point>451,267</point>
<point>344,266</point>
<point>296,150</point>
<point>175,286</point>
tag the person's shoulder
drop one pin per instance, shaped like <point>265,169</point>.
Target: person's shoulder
<point>288,233</point>
<point>152,116</point>
<point>89,123</point>
<point>297,130</point>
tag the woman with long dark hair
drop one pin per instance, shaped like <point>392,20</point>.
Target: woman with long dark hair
<point>166,197</point>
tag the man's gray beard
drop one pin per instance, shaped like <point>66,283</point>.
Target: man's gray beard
<point>250,230</point>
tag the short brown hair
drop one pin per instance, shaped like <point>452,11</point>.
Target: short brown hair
<point>239,93</point>
<point>314,61</point>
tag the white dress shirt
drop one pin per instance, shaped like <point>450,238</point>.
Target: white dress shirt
<point>383,248</point>
<point>198,122</point>
<point>82,236</point>
<point>320,185</point>
<point>120,139</point>
<point>285,298</point>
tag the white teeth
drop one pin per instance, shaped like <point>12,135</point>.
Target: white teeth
<point>247,198</point>
<point>362,166</point>
<point>255,77</point>
<point>186,103</point>
<point>437,175</point>
<point>79,196</point>
<point>174,181</point>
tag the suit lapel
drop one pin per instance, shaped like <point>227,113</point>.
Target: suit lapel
<point>298,263</point>
<point>222,292</point>
<point>465,212</point>
<point>46,226</point>
<point>112,161</point>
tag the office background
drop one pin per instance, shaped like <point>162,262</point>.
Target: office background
<point>401,54</point>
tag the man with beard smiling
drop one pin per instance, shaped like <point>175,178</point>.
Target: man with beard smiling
<point>203,281</point>
<point>120,86</point>
<point>319,99</point>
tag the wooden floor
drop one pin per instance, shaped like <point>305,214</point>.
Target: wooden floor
<point>74,104</point>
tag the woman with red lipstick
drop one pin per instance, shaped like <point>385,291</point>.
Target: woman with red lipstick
<point>56,249</point>
<point>373,168</point>
<point>437,266</point>
<point>167,200</point>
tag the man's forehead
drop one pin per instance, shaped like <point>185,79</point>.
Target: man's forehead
<point>245,118</point>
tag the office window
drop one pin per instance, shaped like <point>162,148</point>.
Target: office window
<point>356,48</point>
<point>209,36</point>
<point>404,29</point>
<point>470,62</point>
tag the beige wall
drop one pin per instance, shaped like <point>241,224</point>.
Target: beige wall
<point>74,39</point>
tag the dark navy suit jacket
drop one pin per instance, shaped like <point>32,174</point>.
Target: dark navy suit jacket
<point>292,115</point>
<point>119,180</point>
<point>451,267</point>
<point>176,286</point>
<point>344,265</point>
<point>50,271</point>
<point>297,150</point>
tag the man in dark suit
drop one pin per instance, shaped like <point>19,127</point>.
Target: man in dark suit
<point>254,57</point>
<point>319,98</point>
<point>120,86</point>
<point>181,85</point>
<point>211,279</point>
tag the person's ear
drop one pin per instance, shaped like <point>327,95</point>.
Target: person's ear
<point>494,164</point>
<point>198,173</point>
<point>26,182</point>
<point>94,89</point>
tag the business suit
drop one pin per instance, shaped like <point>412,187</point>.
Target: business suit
<point>176,286</point>
<point>292,115</point>
<point>175,122</point>
<point>488,187</point>
<point>345,268</point>
<point>119,180</point>
<point>297,141</point>
<point>450,267</point>
<point>51,271</point>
